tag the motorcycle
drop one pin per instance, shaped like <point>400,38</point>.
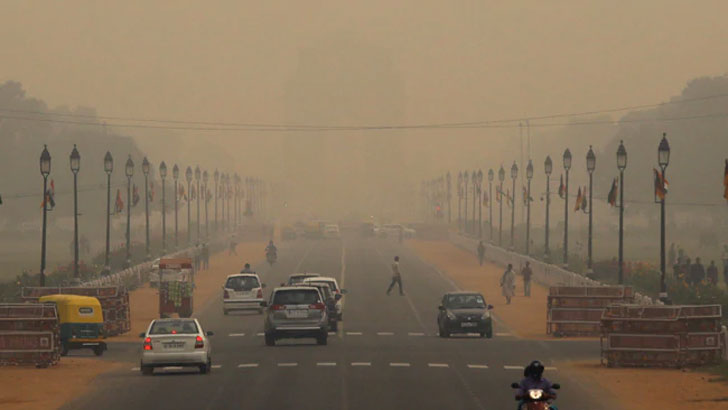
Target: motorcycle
<point>272,257</point>
<point>536,399</point>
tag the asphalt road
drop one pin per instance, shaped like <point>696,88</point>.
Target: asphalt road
<point>385,356</point>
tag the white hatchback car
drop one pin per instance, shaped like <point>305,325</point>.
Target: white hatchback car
<point>175,342</point>
<point>242,291</point>
<point>332,231</point>
<point>334,288</point>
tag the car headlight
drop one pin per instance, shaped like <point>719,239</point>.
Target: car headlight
<point>486,315</point>
<point>451,315</point>
<point>535,394</point>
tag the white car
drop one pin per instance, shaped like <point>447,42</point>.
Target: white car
<point>175,342</point>
<point>334,288</point>
<point>242,291</point>
<point>331,231</point>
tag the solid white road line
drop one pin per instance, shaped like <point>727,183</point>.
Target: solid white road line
<point>385,334</point>
<point>247,365</point>
<point>415,334</point>
<point>326,364</point>
<point>477,366</point>
<point>236,334</point>
<point>287,364</point>
<point>354,333</point>
<point>216,366</point>
<point>361,364</point>
<point>399,364</point>
<point>438,365</point>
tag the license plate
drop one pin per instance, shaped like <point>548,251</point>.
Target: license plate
<point>173,345</point>
<point>297,314</point>
<point>468,324</point>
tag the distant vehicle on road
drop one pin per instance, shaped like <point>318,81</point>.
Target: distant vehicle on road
<point>332,232</point>
<point>330,298</point>
<point>288,233</point>
<point>334,286</point>
<point>367,229</point>
<point>175,342</point>
<point>296,312</point>
<point>464,312</point>
<point>242,291</point>
<point>297,278</point>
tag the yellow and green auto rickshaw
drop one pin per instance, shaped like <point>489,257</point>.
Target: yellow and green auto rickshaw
<point>81,320</point>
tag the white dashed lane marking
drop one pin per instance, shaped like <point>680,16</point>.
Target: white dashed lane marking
<point>236,334</point>
<point>438,365</point>
<point>216,366</point>
<point>395,364</point>
<point>134,369</point>
<point>287,364</point>
<point>361,364</point>
<point>247,365</point>
<point>415,334</point>
<point>354,333</point>
<point>326,364</point>
<point>385,334</point>
<point>260,334</point>
<point>477,366</point>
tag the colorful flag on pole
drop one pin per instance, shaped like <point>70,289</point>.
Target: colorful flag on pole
<point>584,202</point>
<point>49,197</point>
<point>135,196</point>
<point>612,197</point>
<point>660,185</point>
<point>498,195</point>
<point>151,191</point>
<point>579,198</point>
<point>119,204</point>
<point>182,194</point>
<point>485,199</point>
<point>509,199</point>
<point>562,188</point>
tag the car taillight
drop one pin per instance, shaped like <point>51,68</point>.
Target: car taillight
<point>260,294</point>
<point>225,294</point>
<point>319,306</point>
<point>277,307</point>
<point>148,343</point>
<point>199,344</point>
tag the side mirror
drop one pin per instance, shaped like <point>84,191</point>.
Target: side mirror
<point>209,333</point>
<point>490,307</point>
<point>263,304</point>
<point>441,307</point>
<point>555,386</point>
<point>516,386</point>
<point>142,334</point>
<point>344,291</point>
<point>337,297</point>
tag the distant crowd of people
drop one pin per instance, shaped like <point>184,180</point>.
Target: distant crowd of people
<point>694,272</point>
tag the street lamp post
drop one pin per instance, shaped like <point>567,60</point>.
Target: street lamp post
<point>205,178</point>
<point>529,176</point>
<point>129,170</point>
<point>216,177</point>
<point>548,168</point>
<point>591,164</point>
<point>175,176</point>
<point>621,165</point>
<point>75,160</point>
<point>514,175</point>
<point>501,178</point>
<point>465,191</point>
<point>567,167</point>
<point>163,175</point>
<point>474,184</point>
<point>490,202</point>
<point>480,204</point>
<point>145,171</point>
<point>199,194</point>
<point>108,168</point>
<point>460,200</point>
<point>223,195</point>
<point>45,170</point>
<point>449,197</point>
<point>188,177</point>
<point>663,159</point>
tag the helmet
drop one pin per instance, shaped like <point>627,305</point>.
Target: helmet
<point>534,370</point>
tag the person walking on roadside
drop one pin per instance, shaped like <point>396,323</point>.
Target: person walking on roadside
<point>712,274</point>
<point>481,252</point>
<point>725,264</point>
<point>697,272</point>
<point>396,277</point>
<point>508,283</point>
<point>527,274</point>
<point>205,256</point>
<point>233,245</point>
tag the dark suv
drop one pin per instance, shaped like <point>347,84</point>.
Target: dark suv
<point>464,312</point>
<point>296,312</point>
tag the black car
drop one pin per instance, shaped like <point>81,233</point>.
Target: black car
<point>464,312</point>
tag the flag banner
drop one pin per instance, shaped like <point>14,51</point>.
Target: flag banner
<point>151,191</point>
<point>509,199</point>
<point>135,196</point>
<point>612,197</point>
<point>725,181</point>
<point>498,195</point>
<point>485,199</point>
<point>660,185</point>
<point>208,196</point>
<point>526,197</point>
<point>119,204</point>
<point>182,194</point>
<point>562,188</point>
<point>584,202</point>
<point>579,198</point>
<point>49,199</point>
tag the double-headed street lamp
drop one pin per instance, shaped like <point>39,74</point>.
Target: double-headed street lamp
<point>501,178</point>
<point>145,170</point>
<point>188,177</point>
<point>460,200</point>
<point>474,179</point>
<point>548,168</point>
<point>567,167</point>
<point>591,164</point>
<point>216,177</point>
<point>465,191</point>
<point>663,159</point>
<point>205,178</point>
<point>75,160</point>
<point>163,175</point>
<point>129,170</point>
<point>529,176</point>
<point>198,174</point>
<point>514,175</point>
<point>621,165</point>
<point>490,203</point>
<point>480,204</point>
<point>108,168</point>
<point>45,170</point>
<point>449,197</point>
<point>175,176</point>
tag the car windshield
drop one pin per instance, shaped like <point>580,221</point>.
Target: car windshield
<point>242,283</point>
<point>323,287</point>
<point>465,302</point>
<point>296,279</point>
<point>172,327</point>
<point>296,297</point>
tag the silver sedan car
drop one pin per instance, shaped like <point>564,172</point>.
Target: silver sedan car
<point>296,312</point>
<point>175,342</point>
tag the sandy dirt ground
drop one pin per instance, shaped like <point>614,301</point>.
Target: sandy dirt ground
<point>70,378</point>
<point>525,316</point>
<point>636,389</point>
<point>144,302</point>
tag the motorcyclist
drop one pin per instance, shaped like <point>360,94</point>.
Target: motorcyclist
<point>271,248</point>
<point>533,380</point>
<point>247,269</point>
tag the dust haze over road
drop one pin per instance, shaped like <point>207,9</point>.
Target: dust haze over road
<point>347,113</point>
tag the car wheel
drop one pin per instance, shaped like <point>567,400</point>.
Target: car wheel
<point>147,370</point>
<point>488,332</point>
<point>322,339</point>
<point>98,350</point>
<point>270,340</point>
<point>335,326</point>
<point>64,349</point>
